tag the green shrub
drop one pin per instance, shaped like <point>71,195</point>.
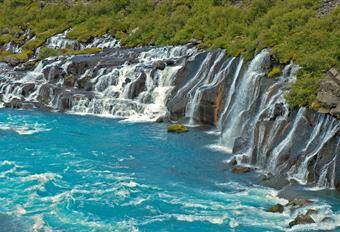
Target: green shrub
<point>303,90</point>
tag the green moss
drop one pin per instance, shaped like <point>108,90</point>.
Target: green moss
<point>315,105</point>
<point>33,44</point>
<point>177,128</point>
<point>47,52</point>
<point>274,72</point>
<point>278,208</point>
<point>80,52</point>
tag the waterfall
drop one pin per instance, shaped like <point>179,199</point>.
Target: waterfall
<point>60,41</point>
<point>248,109</point>
<point>206,84</point>
<point>256,123</point>
<point>135,85</point>
<point>245,94</point>
<point>230,95</point>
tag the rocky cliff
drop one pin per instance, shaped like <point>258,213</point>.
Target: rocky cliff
<point>328,97</point>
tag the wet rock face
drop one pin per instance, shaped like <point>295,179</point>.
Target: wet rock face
<point>137,86</point>
<point>278,208</point>
<point>255,122</point>
<point>302,219</point>
<point>241,169</point>
<point>328,96</point>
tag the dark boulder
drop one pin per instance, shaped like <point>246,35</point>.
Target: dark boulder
<point>275,181</point>
<point>241,169</point>
<point>301,219</point>
<point>298,202</point>
<point>27,89</point>
<point>84,83</point>
<point>279,110</point>
<point>159,65</point>
<point>278,208</point>
<point>69,80</point>
<point>137,86</point>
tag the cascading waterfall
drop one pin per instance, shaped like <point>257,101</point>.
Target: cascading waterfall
<point>247,108</point>
<point>257,124</point>
<point>209,81</point>
<point>246,93</point>
<point>135,86</point>
<point>230,95</point>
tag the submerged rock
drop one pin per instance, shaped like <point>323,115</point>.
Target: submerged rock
<point>301,219</point>
<point>177,128</point>
<point>241,169</point>
<point>327,220</point>
<point>311,211</point>
<point>276,181</point>
<point>278,208</point>
<point>299,202</point>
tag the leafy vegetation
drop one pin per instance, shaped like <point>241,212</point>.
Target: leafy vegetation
<point>49,52</point>
<point>274,72</point>
<point>291,28</point>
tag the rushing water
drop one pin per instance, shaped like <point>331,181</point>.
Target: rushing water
<point>72,173</point>
<point>66,172</point>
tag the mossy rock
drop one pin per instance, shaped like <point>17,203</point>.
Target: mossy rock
<point>315,106</point>
<point>301,219</point>
<point>69,80</point>
<point>241,169</point>
<point>276,71</point>
<point>299,202</point>
<point>278,208</point>
<point>177,128</point>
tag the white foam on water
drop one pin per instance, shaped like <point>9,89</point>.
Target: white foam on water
<point>192,218</point>
<point>220,148</point>
<point>38,223</point>
<point>42,178</point>
<point>136,201</point>
<point>20,210</point>
<point>24,129</point>
<point>233,223</point>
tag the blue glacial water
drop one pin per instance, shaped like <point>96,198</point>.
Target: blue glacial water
<point>63,172</point>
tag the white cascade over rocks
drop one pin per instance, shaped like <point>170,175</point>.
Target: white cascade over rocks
<point>247,109</point>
